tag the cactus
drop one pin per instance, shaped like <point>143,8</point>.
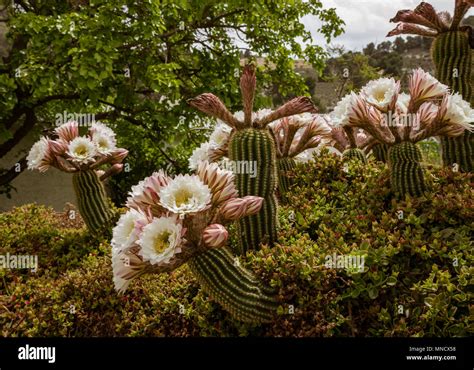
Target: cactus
<point>406,174</point>
<point>355,153</point>
<point>199,238</point>
<point>92,201</point>
<point>251,141</point>
<point>80,155</point>
<point>380,152</point>
<point>452,55</point>
<point>284,165</point>
<point>256,146</point>
<point>451,52</point>
<point>236,289</point>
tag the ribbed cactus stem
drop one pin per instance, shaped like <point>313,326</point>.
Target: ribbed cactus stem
<point>354,153</point>
<point>285,166</point>
<point>92,201</point>
<point>256,148</point>
<point>380,152</point>
<point>452,56</point>
<point>406,173</point>
<point>233,287</point>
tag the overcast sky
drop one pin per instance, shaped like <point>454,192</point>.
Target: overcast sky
<point>368,20</point>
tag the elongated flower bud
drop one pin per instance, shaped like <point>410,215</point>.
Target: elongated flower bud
<point>240,207</point>
<point>215,236</point>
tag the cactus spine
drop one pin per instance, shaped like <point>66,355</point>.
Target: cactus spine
<point>256,147</point>
<point>235,288</point>
<point>285,165</point>
<point>452,55</point>
<point>405,169</point>
<point>354,153</point>
<point>380,152</point>
<point>92,201</point>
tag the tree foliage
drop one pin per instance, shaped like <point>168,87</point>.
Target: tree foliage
<point>135,63</point>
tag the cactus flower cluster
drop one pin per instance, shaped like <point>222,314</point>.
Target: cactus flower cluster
<point>70,152</point>
<point>451,52</point>
<point>170,220</point>
<point>401,120</point>
<point>91,158</point>
<point>247,139</point>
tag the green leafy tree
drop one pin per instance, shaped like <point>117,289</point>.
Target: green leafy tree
<point>135,63</point>
<point>351,69</point>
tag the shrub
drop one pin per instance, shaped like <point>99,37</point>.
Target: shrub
<point>417,278</point>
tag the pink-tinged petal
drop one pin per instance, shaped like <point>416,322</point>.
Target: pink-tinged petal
<point>214,107</point>
<point>144,195</point>
<point>113,170</point>
<point>57,147</point>
<point>118,155</point>
<point>460,10</point>
<point>410,29</point>
<point>253,205</point>
<point>412,17</point>
<point>297,105</point>
<point>68,131</point>
<point>233,209</point>
<point>424,87</point>
<point>237,208</point>
<point>248,83</point>
<point>215,236</point>
<point>427,11</point>
<point>219,181</point>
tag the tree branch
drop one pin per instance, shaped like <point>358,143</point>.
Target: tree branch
<point>30,120</point>
<point>12,173</point>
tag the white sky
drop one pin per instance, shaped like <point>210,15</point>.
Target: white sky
<point>368,20</point>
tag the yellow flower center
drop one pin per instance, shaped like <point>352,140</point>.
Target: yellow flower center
<point>182,197</point>
<point>161,241</point>
<point>81,150</point>
<point>103,144</point>
<point>379,95</point>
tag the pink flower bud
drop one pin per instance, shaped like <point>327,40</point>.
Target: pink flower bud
<point>253,205</point>
<point>215,236</point>
<point>119,155</point>
<point>240,207</point>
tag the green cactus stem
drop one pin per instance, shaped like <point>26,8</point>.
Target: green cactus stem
<point>354,153</point>
<point>256,147</point>
<point>452,56</point>
<point>92,202</point>
<point>380,152</point>
<point>233,287</point>
<point>285,166</point>
<point>406,173</point>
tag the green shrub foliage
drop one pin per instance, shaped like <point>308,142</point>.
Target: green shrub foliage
<point>416,278</point>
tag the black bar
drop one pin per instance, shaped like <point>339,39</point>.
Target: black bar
<point>307,353</point>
